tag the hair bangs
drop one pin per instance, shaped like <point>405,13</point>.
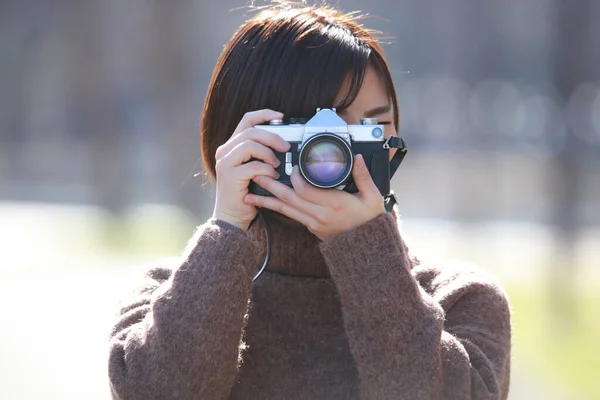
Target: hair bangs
<point>311,67</point>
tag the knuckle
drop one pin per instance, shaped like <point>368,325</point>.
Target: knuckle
<point>263,168</point>
<point>252,143</point>
<point>258,180</point>
<point>284,195</point>
<point>243,135</point>
<point>323,218</point>
<point>253,115</point>
<point>244,122</point>
<point>260,135</point>
<point>259,167</point>
<point>336,206</point>
<point>247,146</point>
<point>313,226</point>
<point>256,167</point>
<point>280,208</point>
<point>271,136</point>
<point>219,165</point>
<point>272,172</point>
<point>251,133</point>
<point>219,152</point>
<point>258,201</point>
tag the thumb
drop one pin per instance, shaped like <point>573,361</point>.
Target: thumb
<point>362,177</point>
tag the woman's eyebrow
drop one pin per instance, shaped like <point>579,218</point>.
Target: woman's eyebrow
<point>378,111</point>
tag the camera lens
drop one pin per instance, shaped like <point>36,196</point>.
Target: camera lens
<point>326,160</point>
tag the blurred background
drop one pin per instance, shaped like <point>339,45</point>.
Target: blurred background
<point>99,118</point>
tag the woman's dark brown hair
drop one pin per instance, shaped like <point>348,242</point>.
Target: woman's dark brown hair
<point>291,59</point>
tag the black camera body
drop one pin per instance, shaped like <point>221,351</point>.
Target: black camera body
<point>324,149</point>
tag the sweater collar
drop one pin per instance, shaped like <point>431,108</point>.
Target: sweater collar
<point>294,249</point>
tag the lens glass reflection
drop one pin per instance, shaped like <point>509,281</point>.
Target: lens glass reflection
<point>326,163</point>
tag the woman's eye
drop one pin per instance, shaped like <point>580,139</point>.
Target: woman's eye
<point>384,123</point>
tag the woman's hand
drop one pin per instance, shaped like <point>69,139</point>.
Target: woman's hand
<point>325,212</point>
<point>234,172</point>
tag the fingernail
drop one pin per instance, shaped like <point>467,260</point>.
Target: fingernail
<point>277,175</point>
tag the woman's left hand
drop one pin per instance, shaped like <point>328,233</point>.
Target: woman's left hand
<point>325,212</point>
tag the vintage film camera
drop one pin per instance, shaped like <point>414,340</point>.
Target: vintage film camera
<point>323,148</point>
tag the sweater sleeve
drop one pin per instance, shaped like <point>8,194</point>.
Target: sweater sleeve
<point>178,336</point>
<point>450,343</point>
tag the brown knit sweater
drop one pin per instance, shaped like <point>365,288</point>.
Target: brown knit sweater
<point>351,318</point>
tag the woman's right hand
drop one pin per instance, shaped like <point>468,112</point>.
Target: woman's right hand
<point>234,172</point>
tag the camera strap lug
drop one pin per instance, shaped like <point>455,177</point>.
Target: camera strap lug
<point>395,142</point>
<point>390,201</point>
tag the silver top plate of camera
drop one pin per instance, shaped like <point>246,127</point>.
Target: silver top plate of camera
<point>327,120</point>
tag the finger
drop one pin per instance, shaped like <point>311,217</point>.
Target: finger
<point>277,205</point>
<point>247,150</point>
<point>308,191</point>
<point>263,137</point>
<point>253,169</point>
<point>288,195</point>
<point>362,178</point>
<point>255,118</point>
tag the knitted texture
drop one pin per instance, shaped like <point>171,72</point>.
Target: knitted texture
<point>350,318</point>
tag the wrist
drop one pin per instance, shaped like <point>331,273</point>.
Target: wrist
<point>373,234</point>
<point>242,225</point>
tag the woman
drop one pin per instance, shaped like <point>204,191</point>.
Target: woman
<point>342,311</point>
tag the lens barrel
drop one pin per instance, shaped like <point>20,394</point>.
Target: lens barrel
<point>326,160</point>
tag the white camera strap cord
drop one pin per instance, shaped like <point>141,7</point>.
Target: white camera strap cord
<point>268,255</point>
